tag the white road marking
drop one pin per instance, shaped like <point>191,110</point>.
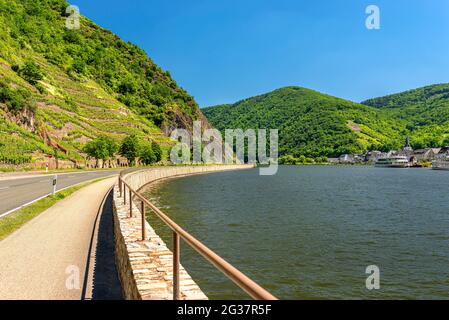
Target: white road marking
<point>22,206</point>
<point>35,200</point>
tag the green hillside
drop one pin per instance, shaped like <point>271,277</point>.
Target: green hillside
<point>425,111</point>
<point>60,88</point>
<point>312,124</point>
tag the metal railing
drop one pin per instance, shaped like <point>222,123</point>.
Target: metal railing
<point>242,281</point>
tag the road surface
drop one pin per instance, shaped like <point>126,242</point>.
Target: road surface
<point>17,192</point>
<point>59,255</point>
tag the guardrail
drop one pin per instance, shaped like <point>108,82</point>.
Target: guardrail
<point>241,280</point>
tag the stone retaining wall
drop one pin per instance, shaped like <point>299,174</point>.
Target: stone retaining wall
<point>145,267</point>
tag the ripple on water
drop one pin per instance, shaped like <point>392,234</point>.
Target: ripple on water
<point>310,232</point>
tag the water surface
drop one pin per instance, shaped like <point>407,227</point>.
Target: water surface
<point>310,232</point>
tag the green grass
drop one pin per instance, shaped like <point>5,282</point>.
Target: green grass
<point>17,219</point>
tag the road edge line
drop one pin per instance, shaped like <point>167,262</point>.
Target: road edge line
<point>49,194</point>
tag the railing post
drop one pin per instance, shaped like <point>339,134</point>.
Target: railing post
<point>124,194</point>
<point>120,186</point>
<point>130,203</point>
<point>176,258</point>
<point>144,231</point>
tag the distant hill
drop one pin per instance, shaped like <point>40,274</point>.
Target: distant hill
<point>424,95</point>
<point>60,88</point>
<point>425,111</point>
<point>312,124</point>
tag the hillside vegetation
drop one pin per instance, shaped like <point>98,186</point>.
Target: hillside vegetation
<point>425,111</point>
<point>61,88</point>
<point>312,124</point>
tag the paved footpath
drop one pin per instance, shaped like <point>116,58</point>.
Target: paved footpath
<point>47,258</point>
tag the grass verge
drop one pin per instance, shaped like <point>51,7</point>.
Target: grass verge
<point>15,220</point>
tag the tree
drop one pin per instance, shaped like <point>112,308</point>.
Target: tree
<point>79,66</point>
<point>157,151</point>
<point>111,146</point>
<point>15,100</point>
<point>31,72</point>
<point>102,148</point>
<point>130,148</point>
<point>147,155</point>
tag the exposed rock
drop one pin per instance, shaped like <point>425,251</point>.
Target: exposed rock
<point>24,118</point>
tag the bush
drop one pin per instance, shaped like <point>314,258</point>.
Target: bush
<point>15,100</point>
<point>147,155</point>
<point>79,66</point>
<point>31,72</point>
<point>72,36</point>
<point>287,160</point>
<point>157,151</point>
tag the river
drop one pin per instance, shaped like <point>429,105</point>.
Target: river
<point>309,232</point>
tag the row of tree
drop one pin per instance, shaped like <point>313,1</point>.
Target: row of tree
<point>132,148</point>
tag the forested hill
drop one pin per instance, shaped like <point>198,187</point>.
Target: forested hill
<point>60,88</point>
<point>312,124</point>
<point>424,110</point>
<point>428,95</point>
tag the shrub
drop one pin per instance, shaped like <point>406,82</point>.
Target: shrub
<point>157,151</point>
<point>31,72</point>
<point>147,155</point>
<point>79,66</point>
<point>15,100</point>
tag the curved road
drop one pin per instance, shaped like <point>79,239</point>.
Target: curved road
<point>67,252</point>
<point>16,192</point>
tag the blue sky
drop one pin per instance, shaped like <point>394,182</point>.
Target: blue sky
<point>222,51</point>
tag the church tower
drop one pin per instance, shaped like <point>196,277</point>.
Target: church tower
<point>407,147</point>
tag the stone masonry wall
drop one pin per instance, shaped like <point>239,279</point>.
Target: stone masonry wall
<point>145,267</point>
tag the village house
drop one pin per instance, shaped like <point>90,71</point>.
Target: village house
<point>346,158</point>
<point>351,158</point>
<point>413,156</point>
<point>359,158</point>
<point>427,154</point>
<point>373,156</point>
<point>443,154</point>
<point>436,151</point>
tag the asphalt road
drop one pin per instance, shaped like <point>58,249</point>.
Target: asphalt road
<point>17,192</point>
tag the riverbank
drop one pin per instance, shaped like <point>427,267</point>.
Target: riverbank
<point>145,267</point>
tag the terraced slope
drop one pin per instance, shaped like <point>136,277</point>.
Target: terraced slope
<point>59,88</point>
<point>426,111</point>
